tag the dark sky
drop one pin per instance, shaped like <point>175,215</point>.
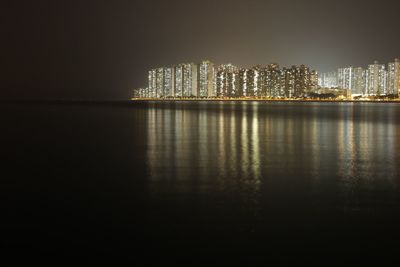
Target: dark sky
<point>97,49</point>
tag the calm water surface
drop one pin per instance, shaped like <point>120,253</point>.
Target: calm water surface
<point>194,181</point>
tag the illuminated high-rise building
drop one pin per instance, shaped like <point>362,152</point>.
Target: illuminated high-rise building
<point>227,80</point>
<point>185,80</point>
<point>145,92</point>
<point>178,88</point>
<point>328,80</point>
<point>244,82</point>
<point>152,83</point>
<point>141,93</point>
<point>261,83</point>
<point>352,78</point>
<point>137,92</point>
<point>302,82</point>
<point>258,80</point>
<point>233,84</point>
<point>377,79</point>
<point>358,84</point>
<point>189,79</point>
<point>365,82</point>
<point>169,81</point>
<point>393,77</point>
<point>250,82</point>
<point>160,82</point>
<point>205,78</point>
<point>272,81</point>
<point>343,78</point>
<point>313,81</point>
<point>288,76</point>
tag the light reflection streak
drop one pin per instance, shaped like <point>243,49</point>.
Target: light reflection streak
<point>220,146</point>
<point>255,145</point>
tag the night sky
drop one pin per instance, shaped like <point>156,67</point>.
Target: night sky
<point>97,49</point>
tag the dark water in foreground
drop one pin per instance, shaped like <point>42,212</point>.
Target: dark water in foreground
<point>201,183</point>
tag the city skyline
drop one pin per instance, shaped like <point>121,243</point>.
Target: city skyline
<point>227,80</point>
<point>375,79</point>
<point>206,79</point>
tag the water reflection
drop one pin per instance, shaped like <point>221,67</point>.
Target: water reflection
<point>225,146</point>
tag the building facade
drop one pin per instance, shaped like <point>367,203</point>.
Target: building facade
<point>302,84</point>
<point>227,81</point>
<point>249,82</point>
<point>206,83</point>
<point>393,77</point>
<point>152,83</point>
<point>328,80</point>
<point>377,77</point>
<point>353,79</point>
<point>272,84</point>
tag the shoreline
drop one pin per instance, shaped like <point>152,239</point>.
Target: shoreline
<point>145,100</point>
<point>397,101</point>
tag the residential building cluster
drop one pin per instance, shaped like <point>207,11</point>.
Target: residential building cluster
<point>375,80</point>
<point>207,80</point>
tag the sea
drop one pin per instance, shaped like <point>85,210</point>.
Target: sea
<point>200,183</point>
